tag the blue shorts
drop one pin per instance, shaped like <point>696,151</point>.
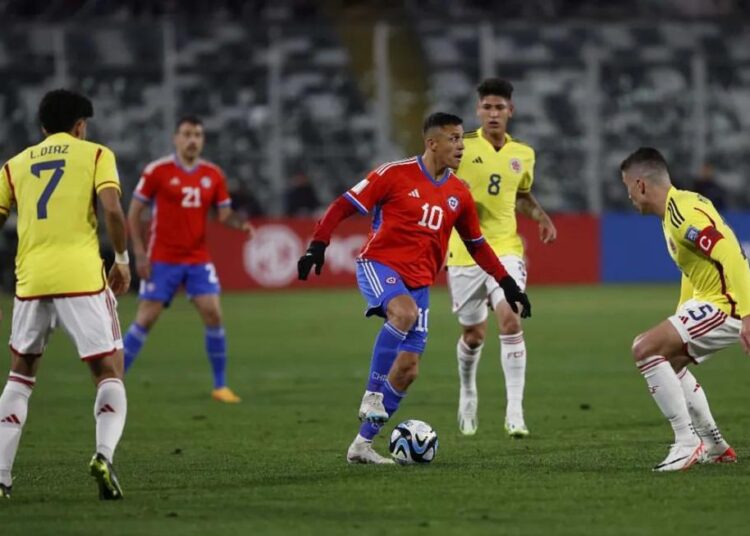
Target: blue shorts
<point>167,278</point>
<point>379,285</point>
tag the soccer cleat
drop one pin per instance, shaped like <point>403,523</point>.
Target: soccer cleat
<point>226,395</point>
<point>681,457</point>
<point>719,454</point>
<point>467,414</point>
<point>362,452</point>
<point>5,491</point>
<point>372,408</point>
<point>104,473</point>
<point>516,430</point>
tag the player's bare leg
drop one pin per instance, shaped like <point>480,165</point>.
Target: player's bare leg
<point>110,411</point>
<point>468,353</point>
<point>14,404</point>
<point>657,352</point>
<point>146,316</point>
<point>513,361</point>
<point>209,309</point>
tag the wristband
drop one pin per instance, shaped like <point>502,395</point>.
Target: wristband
<point>122,258</point>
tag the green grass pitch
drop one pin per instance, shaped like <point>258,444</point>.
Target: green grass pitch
<point>275,463</point>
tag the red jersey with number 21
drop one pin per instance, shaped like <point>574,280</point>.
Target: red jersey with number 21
<point>180,201</point>
<point>413,215</point>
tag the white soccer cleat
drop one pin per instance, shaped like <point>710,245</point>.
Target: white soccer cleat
<point>719,454</point>
<point>467,414</point>
<point>361,451</point>
<point>372,408</point>
<point>516,429</point>
<point>681,457</point>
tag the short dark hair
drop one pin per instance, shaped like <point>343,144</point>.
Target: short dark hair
<point>60,109</point>
<point>188,118</point>
<point>648,157</point>
<point>440,119</point>
<point>495,86</point>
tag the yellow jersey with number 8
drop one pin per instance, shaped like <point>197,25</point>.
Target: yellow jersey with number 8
<point>54,186</point>
<point>494,178</point>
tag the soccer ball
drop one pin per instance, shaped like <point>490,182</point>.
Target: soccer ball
<point>413,441</point>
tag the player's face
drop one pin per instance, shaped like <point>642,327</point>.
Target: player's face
<point>188,141</point>
<point>493,112</point>
<point>636,191</point>
<point>449,145</point>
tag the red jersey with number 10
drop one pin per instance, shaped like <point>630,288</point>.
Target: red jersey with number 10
<point>413,215</point>
<point>180,201</point>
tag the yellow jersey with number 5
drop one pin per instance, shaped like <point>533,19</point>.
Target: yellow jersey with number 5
<point>54,186</point>
<point>494,178</point>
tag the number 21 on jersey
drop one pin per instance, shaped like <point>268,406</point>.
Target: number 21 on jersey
<point>191,197</point>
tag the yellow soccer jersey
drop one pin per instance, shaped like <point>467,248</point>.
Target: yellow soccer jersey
<point>54,186</point>
<point>707,252</point>
<point>494,178</point>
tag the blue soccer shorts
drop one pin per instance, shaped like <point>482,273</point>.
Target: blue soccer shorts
<point>167,278</point>
<point>379,284</point>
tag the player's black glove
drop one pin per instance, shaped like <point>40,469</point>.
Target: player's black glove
<point>315,256</point>
<point>514,296</point>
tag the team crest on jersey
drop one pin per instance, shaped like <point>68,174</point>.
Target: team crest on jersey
<point>453,202</point>
<point>390,280</point>
<point>515,165</point>
<point>174,181</point>
<point>206,182</point>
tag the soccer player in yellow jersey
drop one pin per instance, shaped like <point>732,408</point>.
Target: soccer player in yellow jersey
<point>713,311</point>
<point>55,187</point>
<point>499,172</point>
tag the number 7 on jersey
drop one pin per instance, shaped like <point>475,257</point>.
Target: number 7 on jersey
<point>58,168</point>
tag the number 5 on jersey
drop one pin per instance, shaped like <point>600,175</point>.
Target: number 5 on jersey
<point>58,168</point>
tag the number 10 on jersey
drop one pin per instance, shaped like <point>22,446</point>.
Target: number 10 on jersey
<point>432,217</point>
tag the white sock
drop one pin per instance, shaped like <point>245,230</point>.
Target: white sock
<point>700,413</point>
<point>513,360</point>
<point>468,361</point>
<point>667,392</point>
<point>14,405</point>
<point>110,410</point>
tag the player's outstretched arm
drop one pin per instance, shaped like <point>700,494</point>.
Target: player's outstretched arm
<point>231,219</point>
<point>337,212</point>
<point>114,220</point>
<point>528,205</point>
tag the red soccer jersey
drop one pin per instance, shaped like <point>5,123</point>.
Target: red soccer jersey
<point>181,199</point>
<point>413,215</point>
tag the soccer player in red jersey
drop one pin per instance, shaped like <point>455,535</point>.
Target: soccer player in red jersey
<point>415,204</point>
<point>181,188</point>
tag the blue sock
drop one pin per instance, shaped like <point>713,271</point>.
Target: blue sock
<point>216,348</point>
<point>133,342</point>
<point>383,355</point>
<point>391,400</point>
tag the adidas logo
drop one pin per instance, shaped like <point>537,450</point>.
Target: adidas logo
<point>477,160</point>
<point>106,408</point>
<point>414,193</point>
<point>12,419</point>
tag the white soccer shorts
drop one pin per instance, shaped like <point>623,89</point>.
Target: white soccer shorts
<point>90,321</point>
<point>705,329</point>
<point>472,288</point>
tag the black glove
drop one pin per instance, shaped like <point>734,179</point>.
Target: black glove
<point>514,296</point>
<point>315,256</point>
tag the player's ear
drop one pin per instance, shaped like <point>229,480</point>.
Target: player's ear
<point>79,129</point>
<point>511,109</point>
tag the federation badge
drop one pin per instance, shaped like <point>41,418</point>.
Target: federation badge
<point>453,202</point>
<point>390,280</point>
<point>692,234</point>
<point>206,182</point>
<point>515,165</point>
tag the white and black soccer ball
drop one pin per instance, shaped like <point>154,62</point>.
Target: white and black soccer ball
<point>413,441</point>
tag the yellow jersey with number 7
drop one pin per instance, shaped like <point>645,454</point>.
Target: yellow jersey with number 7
<point>53,186</point>
<point>494,178</point>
